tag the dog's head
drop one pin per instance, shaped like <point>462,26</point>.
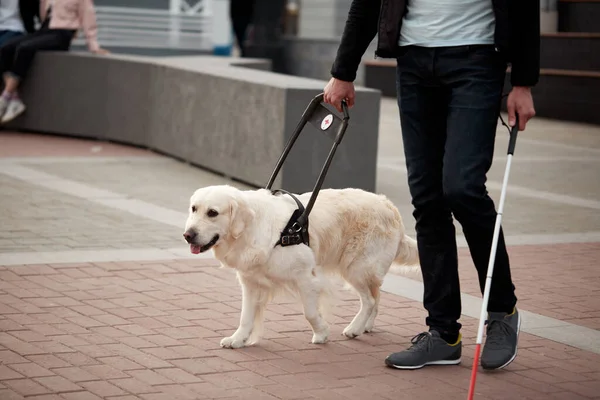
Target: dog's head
<point>216,214</point>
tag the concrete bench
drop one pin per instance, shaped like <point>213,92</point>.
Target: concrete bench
<point>230,116</point>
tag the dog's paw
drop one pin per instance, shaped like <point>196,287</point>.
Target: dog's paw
<point>320,338</point>
<point>369,328</point>
<point>232,342</point>
<point>352,332</point>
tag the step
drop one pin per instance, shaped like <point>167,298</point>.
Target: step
<point>570,50</point>
<point>579,15</point>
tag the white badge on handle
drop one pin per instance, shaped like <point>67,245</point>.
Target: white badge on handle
<point>326,123</point>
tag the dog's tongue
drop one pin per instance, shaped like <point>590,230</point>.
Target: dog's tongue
<point>195,249</point>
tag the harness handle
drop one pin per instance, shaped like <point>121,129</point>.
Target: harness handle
<point>300,217</point>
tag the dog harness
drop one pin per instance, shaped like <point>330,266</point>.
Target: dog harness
<point>296,230</point>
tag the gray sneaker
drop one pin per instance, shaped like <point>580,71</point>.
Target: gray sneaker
<point>500,347</point>
<point>428,348</point>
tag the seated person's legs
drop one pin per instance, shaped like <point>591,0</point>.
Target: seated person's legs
<point>6,35</point>
<point>21,55</point>
<point>7,56</point>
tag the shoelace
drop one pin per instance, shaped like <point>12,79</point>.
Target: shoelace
<point>498,331</point>
<point>421,341</point>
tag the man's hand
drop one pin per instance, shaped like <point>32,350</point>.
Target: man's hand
<point>520,102</point>
<point>336,91</point>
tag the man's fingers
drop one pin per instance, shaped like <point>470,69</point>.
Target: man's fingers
<point>350,101</point>
<point>522,121</point>
<point>337,103</point>
<point>328,99</point>
<point>524,117</point>
<point>510,108</point>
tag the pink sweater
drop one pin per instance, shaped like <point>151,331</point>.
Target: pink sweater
<point>73,14</point>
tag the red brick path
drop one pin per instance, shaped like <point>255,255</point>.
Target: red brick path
<point>36,145</point>
<point>151,331</point>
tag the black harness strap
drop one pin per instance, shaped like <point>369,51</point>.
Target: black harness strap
<point>296,231</point>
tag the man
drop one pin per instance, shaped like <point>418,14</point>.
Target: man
<point>17,18</point>
<point>451,63</point>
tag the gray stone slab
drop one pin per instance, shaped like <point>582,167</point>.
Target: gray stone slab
<point>231,116</point>
<point>38,219</point>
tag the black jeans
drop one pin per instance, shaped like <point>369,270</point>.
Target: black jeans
<point>449,100</point>
<point>16,55</point>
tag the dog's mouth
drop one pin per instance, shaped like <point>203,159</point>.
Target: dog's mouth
<point>197,249</point>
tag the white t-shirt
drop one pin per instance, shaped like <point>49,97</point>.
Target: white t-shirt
<point>437,23</point>
<point>10,16</point>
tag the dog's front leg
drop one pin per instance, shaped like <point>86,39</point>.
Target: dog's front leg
<point>252,309</point>
<point>310,289</point>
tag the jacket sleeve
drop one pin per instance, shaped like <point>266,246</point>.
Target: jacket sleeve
<point>87,15</point>
<point>525,42</point>
<point>360,29</point>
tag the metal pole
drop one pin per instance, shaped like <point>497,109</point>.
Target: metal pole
<point>174,23</point>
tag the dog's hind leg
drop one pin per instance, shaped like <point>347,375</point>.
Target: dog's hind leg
<point>311,288</point>
<point>368,304</point>
<point>376,292</point>
<point>254,301</point>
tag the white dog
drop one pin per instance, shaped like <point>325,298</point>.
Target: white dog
<point>353,233</point>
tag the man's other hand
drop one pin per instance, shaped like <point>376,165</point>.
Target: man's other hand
<point>520,102</point>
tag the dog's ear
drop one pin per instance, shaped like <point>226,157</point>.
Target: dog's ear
<point>241,216</point>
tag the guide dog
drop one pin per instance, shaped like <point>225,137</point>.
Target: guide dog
<point>354,234</point>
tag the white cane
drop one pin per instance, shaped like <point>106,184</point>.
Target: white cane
<point>490,270</point>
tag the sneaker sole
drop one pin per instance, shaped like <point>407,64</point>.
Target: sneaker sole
<point>516,348</point>
<point>441,362</point>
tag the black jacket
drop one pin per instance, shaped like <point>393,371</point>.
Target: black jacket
<point>517,36</point>
<point>29,10</point>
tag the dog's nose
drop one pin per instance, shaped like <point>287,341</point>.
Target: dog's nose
<point>189,235</point>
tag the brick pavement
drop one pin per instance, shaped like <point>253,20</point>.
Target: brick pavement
<point>151,330</point>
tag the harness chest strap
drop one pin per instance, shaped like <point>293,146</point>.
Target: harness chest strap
<point>294,232</point>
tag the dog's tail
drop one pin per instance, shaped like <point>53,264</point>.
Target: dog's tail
<point>407,257</point>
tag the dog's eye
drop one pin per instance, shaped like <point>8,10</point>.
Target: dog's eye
<point>194,209</point>
<point>212,213</point>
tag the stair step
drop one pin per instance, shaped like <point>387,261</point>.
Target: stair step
<point>570,50</point>
<point>578,15</point>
